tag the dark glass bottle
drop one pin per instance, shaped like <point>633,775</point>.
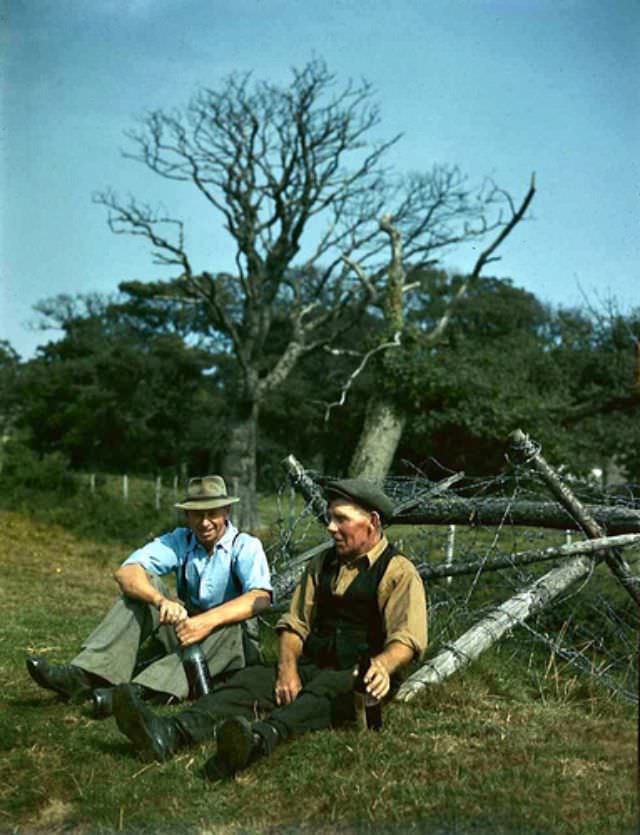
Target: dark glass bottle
<point>368,709</point>
<point>195,666</point>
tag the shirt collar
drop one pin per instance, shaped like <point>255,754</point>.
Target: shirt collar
<point>225,542</point>
<point>372,555</point>
<point>227,538</point>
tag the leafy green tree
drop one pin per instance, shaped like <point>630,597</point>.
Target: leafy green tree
<point>107,395</point>
<point>9,369</point>
<point>506,361</point>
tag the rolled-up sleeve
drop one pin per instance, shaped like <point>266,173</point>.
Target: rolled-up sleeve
<point>251,567</point>
<point>403,605</point>
<point>160,556</point>
<point>299,618</point>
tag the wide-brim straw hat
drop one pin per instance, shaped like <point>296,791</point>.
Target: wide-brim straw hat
<point>206,493</point>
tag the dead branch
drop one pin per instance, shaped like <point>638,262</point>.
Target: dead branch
<point>395,343</point>
<point>491,628</point>
<point>589,546</point>
<point>485,257</point>
<point>307,486</point>
<point>456,510</point>
<point>528,451</point>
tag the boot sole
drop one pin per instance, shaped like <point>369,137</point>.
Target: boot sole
<point>133,724</point>
<point>235,744</point>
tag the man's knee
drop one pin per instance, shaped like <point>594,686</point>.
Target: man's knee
<point>330,682</point>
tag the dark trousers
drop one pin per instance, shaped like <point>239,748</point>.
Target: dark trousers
<point>326,699</point>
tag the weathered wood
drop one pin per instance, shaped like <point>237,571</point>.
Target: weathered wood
<point>529,451</point>
<point>455,510</point>
<point>307,486</point>
<point>431,571</point>
<point>284,581</point>
<point>491,628</point>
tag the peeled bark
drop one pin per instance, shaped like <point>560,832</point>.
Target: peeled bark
<point>490,629</point>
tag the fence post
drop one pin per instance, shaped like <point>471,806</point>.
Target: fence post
<point>235,486</point>
<point>92,483</point>
<point>449,548</point>
<point>125,488</point>
<point>158,491</point>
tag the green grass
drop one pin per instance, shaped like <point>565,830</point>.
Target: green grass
<point>505,747</point>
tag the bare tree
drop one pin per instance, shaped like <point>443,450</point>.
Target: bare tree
<point>297,184</point>
<point>384,419</point>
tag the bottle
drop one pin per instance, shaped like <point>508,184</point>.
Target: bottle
<point>368,708</point>
<point>197,671</point>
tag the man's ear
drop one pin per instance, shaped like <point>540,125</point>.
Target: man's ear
<point>375,518</point>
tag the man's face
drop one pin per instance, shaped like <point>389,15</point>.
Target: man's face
<point>208,525</point>
<point>353,529</point>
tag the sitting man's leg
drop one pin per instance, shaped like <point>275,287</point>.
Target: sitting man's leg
<point>248,693</point>
<point>223,650</point>
<point>325,695</point>
<point>109,654</point>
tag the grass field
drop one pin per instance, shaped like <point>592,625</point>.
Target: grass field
<point>503,747</point>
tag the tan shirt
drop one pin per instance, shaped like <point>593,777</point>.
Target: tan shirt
<point>401,598</point>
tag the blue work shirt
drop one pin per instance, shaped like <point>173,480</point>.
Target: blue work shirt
<point>237,564</point>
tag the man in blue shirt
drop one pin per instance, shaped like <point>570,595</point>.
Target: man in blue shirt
<point>222,581</point>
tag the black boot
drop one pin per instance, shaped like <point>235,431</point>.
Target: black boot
<point>238,746</point>
<point>102,702</point>
<point>154,737</point>
<point>69,681</point>
<point>102,699</point>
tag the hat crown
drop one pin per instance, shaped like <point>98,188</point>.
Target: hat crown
<point>364,493</point>
<point>206,487</point>
<point>206,493</point>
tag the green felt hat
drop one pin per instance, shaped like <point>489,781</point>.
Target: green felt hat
<point>206,493</point>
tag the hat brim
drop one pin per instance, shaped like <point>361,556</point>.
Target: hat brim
<point>207,504</point>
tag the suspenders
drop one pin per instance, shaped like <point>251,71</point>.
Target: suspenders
<point>182,585</point>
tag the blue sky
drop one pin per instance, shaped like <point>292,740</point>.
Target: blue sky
<point>499,87</point>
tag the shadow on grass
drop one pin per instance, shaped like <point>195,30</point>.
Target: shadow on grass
<point>118,748</point>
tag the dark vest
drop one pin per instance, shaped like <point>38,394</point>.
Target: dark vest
<point>345,627</point>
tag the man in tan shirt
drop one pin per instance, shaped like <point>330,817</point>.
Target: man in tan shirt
<point>360,599</point>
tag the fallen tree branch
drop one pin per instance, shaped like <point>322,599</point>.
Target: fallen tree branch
<point>455,510</point>
<point>491,628</point>
<point>527,450</point>
<point>430,571</point>
<point>307,486</point>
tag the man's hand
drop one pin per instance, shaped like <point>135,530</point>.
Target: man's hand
<point>171,611</point>
<point>376,679</point>
<point>288,685</point>
<point>192,630</point>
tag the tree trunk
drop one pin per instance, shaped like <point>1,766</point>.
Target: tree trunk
<point>379,439</point>
<point>239,465</point>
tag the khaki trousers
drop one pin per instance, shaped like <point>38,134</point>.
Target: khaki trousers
<point>111,651</point>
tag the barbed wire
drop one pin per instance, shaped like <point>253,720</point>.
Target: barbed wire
<point>591,626</point>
